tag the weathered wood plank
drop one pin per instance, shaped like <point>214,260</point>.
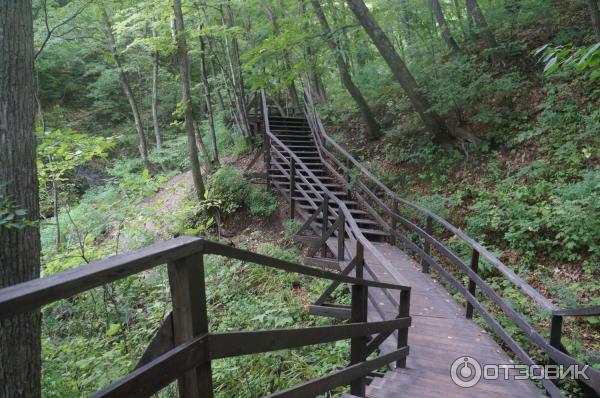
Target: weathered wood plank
<point>160,372</point>
<point>38,292</point>
<point>345,376</point>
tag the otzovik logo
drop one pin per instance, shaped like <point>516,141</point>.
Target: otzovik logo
<point>465,372</point>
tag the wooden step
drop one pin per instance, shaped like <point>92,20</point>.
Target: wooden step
<point>320,262</point>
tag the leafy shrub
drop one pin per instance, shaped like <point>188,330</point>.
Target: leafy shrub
<point>172,155</point>
<point>261,203</point>
<point>463,83</point>
<point>229,186</point>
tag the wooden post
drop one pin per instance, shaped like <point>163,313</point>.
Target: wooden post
<point>358,345</point>
<point>556,334</point>
<point>393,221</point>
<point>403,312</point>
<point>341,237</point>
<point>324,223</point>
<point>426,245</point>
<point>190,319</point>
<point>472,285</point>
<point>268,160</point>
<point>292,188</point>
<point>348,178</point>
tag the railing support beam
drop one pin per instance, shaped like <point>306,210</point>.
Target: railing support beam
<point>403,311</point>
<point>427,245</point>
<point>556,334</point>
<point>324,224</point>
<point>358,345</point>
<point>292,189</point>
<point>472,284</point>
<point>190,319</point>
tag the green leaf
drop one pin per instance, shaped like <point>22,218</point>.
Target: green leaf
<point>551,66</point>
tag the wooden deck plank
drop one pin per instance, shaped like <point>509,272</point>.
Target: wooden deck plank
<point>440,334</point>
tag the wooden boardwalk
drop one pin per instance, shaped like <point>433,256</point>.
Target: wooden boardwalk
<point>438,336</point>
<point>440,333</point>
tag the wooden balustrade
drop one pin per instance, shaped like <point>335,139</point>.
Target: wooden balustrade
<point>387,207</point>
<point>188,351</point>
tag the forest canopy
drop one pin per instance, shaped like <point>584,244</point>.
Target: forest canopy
<point>486,112</point>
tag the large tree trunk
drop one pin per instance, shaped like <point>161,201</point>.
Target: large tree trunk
<point>208,100</point>
<point>443,25</point>
<point>365,111</point>
<point>184,71</point>
<point>434,123</point>
<point>155,95</point>
<point>135,110</point>
<point>486,34</point>
<point>595,15</point>
<point>20,360</point>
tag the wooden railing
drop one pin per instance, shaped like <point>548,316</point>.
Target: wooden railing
<point>385,206</point>
<point>277,155</point>
<point>188,357</point>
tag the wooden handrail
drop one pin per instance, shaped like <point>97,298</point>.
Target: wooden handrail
<point>518,281</point>
<point>187,351</point>
<point>584,311</point>
<point>353,229</point>
<point>553,348</point>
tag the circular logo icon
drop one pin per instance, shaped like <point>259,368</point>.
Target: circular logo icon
<point>465,372</point>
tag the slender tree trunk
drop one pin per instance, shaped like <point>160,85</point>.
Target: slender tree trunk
<point>434,123</point>
<point>208,99</point>
<point>237,82</point>
<point>155,95</point>
<point>286,55</point>
<point>184,71</point>
<point>486,34</point>
<point>135,110</point>
<point>56,213</point>
<point>314,80</point>
<point>200,145</point>
<point>595,16</point>
<point>443,26</point>
<point>20,358</point>
<point>372,128</point>
<point>406,21</point>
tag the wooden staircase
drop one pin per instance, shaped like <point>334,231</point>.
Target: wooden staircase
<point>296,135</point>
<point>349,214</point>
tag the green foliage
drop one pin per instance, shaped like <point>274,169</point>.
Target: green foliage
<point>583,59</point>
<point>261,203</point>
<point>172,155</point>
<point>463,85</point>
<point>11,215</point>
<point>60,151</point>
<point>229,186</point>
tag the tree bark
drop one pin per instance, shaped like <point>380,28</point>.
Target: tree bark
<point>155,95</point>
<point>20,344</point>
<point>595,16</point>
<point>56,213</point>
<point>486,34</point>
<point>237,79</point>
<point>406,21</point>
<point>184,71</point>
<point>372,128</point>
<point>434,123</point>
<point>135,110</point>
<point>443,25</point>
<point>208,100</point>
